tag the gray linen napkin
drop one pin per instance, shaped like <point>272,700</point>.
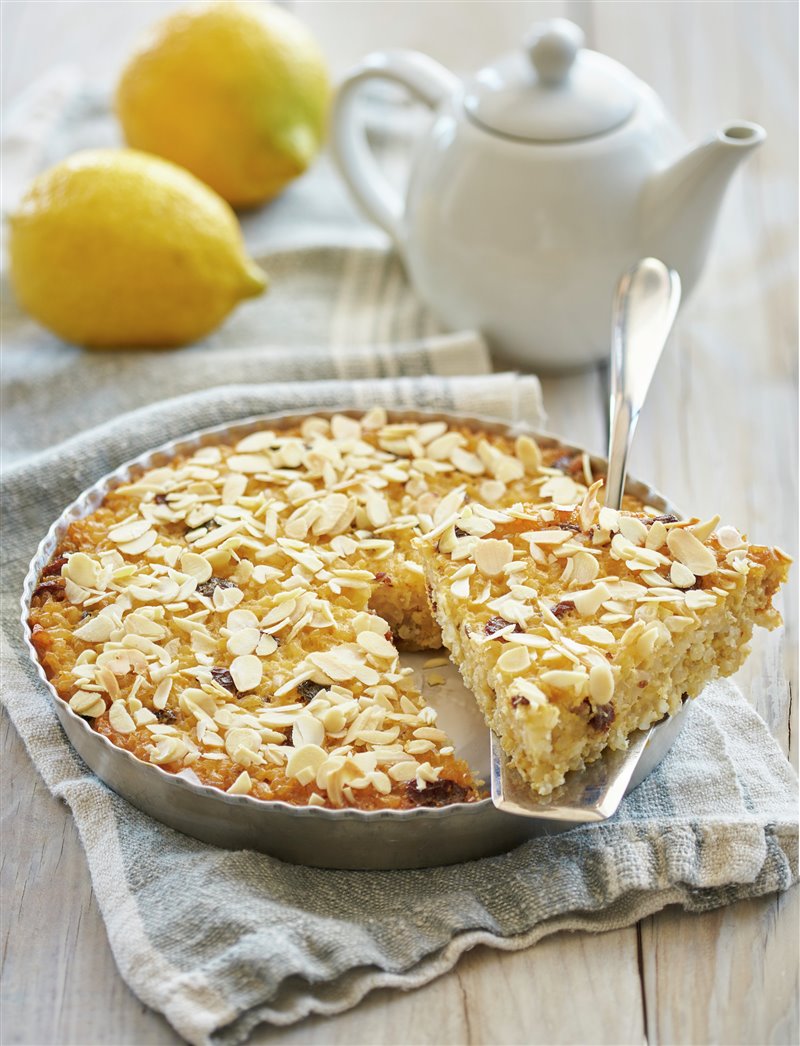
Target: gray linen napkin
<point>221,941</point>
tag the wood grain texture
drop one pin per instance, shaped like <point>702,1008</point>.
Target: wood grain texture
<point>718,434</point>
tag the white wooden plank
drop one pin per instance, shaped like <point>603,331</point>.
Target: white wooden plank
<point>60,984</point>
<point>727,976</point>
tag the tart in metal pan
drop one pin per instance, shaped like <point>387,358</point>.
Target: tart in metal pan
<point>341,838</point>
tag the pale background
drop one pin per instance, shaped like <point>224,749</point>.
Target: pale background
<point>718,434</point>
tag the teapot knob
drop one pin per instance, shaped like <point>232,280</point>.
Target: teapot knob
<point>552,47</point>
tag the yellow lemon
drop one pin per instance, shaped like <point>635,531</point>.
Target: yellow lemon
<point>237,93</point>
<point>114,248</point>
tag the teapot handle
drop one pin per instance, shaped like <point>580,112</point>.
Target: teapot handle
<point>428,81</point>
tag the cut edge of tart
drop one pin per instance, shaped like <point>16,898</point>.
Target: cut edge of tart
<point>575,626</point>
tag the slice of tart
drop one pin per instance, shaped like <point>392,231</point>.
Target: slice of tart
<point>576,626</point>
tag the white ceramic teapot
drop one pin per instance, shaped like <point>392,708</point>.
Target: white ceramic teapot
<point>540,181</point>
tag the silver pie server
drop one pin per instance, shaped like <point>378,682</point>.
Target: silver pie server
<point>645,305</point>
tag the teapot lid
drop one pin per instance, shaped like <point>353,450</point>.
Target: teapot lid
<point>553,91</point>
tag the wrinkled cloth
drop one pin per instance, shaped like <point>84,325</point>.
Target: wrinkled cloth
<point>219,941</point>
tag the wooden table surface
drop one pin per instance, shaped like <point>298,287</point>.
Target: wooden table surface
<point>719,433</point>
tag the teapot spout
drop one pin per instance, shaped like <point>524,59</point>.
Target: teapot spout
<point>681,202</point>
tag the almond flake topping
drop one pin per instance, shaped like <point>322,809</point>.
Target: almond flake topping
<point>633,529</point>
<point>126,532</point>
<point>597,634</point>
<point>466,461</point>
<point>589,601</point>
<point>681,576</point>
<point>242,784</point>
<point>279,536</point>
<point>564,679</point>
<point>492,555</point>
<point>516,659</point>
<point>86,703</point>
<point>692,553</point>
<point>601,684</point>
<point>244,641</point>
<point>528,453</point>
<point>196,566</point>
<point>703,531</point>
<point>249,463</point>
<point>730,538</point>
<point>657,535</point>
<point>96,629</point>
<point>376,644</point>
<point>119,718</point>
<point>548,537</point>
<point>82,570</point>
<point>246,672</point>
<point>307,730</point>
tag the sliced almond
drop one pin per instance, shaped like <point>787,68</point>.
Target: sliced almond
<point>527,450</point>
<point>307,730</point>
<point>465,461</point>
<point>267,645</point>
<point>730,538</point>
<point>492,555</point>
<point>548,537</point>
<point>377,507</point>
<point>242,738</point>
<point>308,758</point>
<point>242,784</point>
<point>687,549</point>
<point>81,569</point>
<point>562,490</point>
<point>246,672</point>
<point>597,635</point>
<point>530,691</point>
<point>126,532</point>
<point>681,576</point>
<point>657,535</point>
<point>249,463</point>
<point>589,601</point>
<point>699,600</point>
<point>515,659</point>
<point>168,750</point>
<point>565,679</point>
<point>601,684</point>
<point>345,428</point>
<point>633,529</point>
<point>585,568</point>
<point>448,505</point>
<point>590,506</point>
<point>86,703</point>
<point>376,645</point>
<point>120,719</point>
<point>139,545</point>
<point>608,519</point>
<point>703,531</point>
<point>335,668</point>
<point>196,566</point>
<point>244,641</point>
